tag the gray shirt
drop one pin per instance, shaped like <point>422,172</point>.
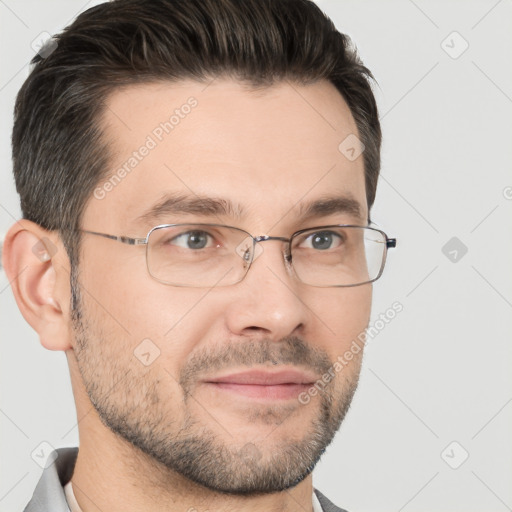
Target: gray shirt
<point>49,493</point>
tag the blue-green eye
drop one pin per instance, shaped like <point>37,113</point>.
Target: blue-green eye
<point>192,240</point>
<point>322,240</point>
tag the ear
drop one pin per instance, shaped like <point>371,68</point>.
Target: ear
<point>37,267</point>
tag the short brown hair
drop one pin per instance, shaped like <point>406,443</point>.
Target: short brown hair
<point>59,154</point>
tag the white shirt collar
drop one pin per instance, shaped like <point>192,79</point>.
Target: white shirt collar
<point>70,498</point>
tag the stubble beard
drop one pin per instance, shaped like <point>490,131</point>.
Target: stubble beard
<point>194,449</point>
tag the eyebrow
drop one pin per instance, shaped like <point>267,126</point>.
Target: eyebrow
<point>205,206</point>
<point>175,204</point>
<point>330,206</point>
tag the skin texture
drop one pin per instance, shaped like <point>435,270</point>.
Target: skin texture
<point>268,151</point>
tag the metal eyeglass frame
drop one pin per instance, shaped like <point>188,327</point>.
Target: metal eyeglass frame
<point>390,243</point>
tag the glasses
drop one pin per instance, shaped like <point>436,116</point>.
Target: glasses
<point>207,255</point>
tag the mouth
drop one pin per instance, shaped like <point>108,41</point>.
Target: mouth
<point>284,384</point>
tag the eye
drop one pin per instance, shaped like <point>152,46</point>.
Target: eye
<point>322,240</point>
<point>192,240</point>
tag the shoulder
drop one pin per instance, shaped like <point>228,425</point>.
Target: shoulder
<point>327,505</point>
<point>49,492</point>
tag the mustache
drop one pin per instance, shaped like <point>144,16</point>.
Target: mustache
<point>291,350</point>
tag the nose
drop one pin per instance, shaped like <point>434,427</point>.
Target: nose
<point>269,301</point>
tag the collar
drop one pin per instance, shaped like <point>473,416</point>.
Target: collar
<point>49,492</point>
<point>54,490</point>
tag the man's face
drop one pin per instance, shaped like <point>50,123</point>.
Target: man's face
<point>206,380</point>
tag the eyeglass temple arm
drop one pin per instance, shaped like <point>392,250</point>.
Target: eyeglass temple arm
<point>122,239</point>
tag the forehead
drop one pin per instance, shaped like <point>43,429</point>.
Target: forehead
<point>267,150</point>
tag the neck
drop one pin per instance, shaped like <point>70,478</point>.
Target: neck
<point>118,477</point>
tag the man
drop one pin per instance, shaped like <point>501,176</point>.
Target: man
<point>196,179</point>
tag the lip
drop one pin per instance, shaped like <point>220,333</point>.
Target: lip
<point>264,384</point>
<point>266,377</point>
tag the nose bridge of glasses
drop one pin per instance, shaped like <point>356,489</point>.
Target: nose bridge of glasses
<point>265,238</point>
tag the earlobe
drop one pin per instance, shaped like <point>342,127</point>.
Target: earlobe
<point>32,257</point>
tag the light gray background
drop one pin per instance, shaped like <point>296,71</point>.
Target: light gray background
<point>440,371</point>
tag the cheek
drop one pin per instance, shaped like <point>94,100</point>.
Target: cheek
<point>141,316</point>
<point>342,315</point>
